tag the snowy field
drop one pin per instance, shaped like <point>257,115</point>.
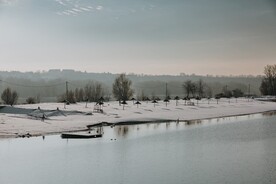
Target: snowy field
<point>23,119</point>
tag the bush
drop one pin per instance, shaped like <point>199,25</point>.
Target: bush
<point>31,100</point>
<point>9,97</point>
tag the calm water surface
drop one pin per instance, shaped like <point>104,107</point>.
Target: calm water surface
<point>225,150</point>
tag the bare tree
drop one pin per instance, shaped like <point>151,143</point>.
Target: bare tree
<point>97,92</point>
<point>189,88</point>
<point>67,99</point>
<point>92,92</point>
<point>9,97</point>
<point>264,88</point>
<point>193,89</point>
<point>141,96</point>
<point>209,91</point>
<point>14,98</point>
<point>226,92</point>
<point>88,92</point>
<point>122,88</point>
<point>79,94</point>
<point>268,86</point>
<point>200,88</point>
<point>71,97</point>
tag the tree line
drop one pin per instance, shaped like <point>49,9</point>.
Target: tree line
<point>122,90</point>
<point>92,92</point>
<point>52,84</point>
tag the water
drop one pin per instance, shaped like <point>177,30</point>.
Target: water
<point>225,150</point>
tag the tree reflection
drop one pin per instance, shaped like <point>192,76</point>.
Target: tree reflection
<point>270,113</point>
<point>125,131</point>
<point>193,122</point>
<point>122,131</point>
<point>167,125</point>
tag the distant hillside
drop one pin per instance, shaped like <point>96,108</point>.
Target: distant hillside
<point>50,84</point>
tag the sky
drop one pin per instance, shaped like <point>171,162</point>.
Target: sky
<point>218,37</point>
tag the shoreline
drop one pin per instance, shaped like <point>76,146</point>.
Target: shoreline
<point>18,125</point>
<point>135,123</point>
<point>183,121</point>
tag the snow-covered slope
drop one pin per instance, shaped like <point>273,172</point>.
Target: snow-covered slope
<point>14,121</point>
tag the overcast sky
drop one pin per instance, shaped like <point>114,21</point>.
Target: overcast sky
<point>140,36</point>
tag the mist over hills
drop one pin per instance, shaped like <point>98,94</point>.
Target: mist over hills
<point>48,85</point>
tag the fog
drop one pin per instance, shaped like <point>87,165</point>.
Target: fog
<point>49,85</point>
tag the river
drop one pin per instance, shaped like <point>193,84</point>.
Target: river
<point>229,150</point>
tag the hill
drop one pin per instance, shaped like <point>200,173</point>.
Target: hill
<point>48,85</point>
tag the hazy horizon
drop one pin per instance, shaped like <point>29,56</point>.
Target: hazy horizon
<point>215,37</point>
<point>132,73</point>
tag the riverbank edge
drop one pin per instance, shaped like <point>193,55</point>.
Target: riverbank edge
<point>187,120</point>
<point>132,122</point>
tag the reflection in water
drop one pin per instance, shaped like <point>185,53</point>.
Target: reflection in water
<point>167,125</point>
<point>221,150</point>
<point>125,131</point>
<point>270,113</point>
<point>193,122</point>
<point>122,130</point>
<point>117,130</point>
<point>136,130</point>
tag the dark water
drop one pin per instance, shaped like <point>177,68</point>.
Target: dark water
<point>226,150</point>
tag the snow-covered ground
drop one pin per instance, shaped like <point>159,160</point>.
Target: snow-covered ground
<point>15,123</point>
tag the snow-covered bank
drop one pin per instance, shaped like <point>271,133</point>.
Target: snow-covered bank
<point>14,123</point>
